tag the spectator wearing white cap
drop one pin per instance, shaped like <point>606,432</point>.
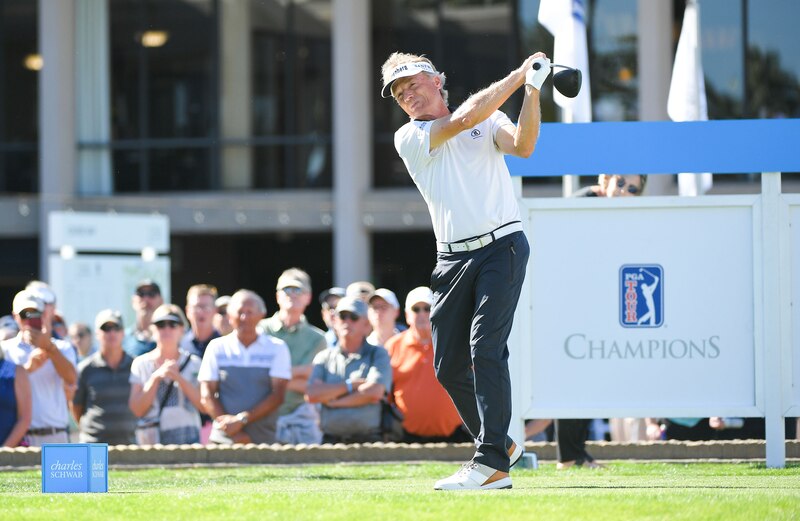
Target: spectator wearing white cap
<point>45,293</point>
<point>51,366</point>
<point>384,309</point>
<point>100,404</point>
<point>165,393</point>
<point>429,413</point>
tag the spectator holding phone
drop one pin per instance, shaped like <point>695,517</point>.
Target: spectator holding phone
<point>51,366</point>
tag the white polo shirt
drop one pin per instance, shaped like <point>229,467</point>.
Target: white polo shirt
<point>49,403</point>
<point>464,181</point>
<point>266,352</point>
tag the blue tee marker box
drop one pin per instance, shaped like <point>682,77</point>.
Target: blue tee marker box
<point>74,467</point>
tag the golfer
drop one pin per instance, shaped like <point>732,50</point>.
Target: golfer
<point>456,160</point>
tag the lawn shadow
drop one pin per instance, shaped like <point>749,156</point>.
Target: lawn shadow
<point>329,477</point>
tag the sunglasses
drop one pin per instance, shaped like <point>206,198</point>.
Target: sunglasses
<point>27,315</point>
<point>346,315</point>
<point>632,189</point>
<point>171,324</point>
<point>291,290</point>
<point>147,293</point>
<point>107,328</point>
<point>420,309</point>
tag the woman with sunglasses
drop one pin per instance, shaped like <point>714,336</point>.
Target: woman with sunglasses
<point>165,393</point>
<point>614,186</point>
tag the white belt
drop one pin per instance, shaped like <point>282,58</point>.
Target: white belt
<point>479,241</point>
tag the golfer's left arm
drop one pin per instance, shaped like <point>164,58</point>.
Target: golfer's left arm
<point>520,140</point>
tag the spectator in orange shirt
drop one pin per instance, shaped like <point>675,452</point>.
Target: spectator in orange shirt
<point>430,415</point>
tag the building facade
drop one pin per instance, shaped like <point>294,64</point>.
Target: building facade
<point>258,128</point>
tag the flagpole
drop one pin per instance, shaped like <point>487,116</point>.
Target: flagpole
<point>569,183</point>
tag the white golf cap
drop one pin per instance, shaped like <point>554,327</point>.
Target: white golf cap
<point>402,71</point>
<point>26,300</point>
<point>417,295</point>
<point>387,295</point>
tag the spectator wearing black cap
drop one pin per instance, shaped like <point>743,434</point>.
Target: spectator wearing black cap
<point>100,404</point>
<point>139,338</point>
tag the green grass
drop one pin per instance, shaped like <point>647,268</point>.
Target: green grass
<point>396,492</point>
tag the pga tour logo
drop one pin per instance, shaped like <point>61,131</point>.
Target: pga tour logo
<point>641,295</point>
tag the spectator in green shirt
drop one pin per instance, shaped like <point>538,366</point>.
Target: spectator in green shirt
<point>298,421</point>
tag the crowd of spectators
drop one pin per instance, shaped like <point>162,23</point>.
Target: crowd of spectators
<point>223,371</point>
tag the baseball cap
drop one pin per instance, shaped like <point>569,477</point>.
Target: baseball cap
<point>417,295</point>
<point>42,291</point>
<point>148,283</point>
<point>290,280</point>
<point>26,300</point>
<point>352,304</point>
<point>168,312</point>
<point>387,295</point>
<point>401,71</point>
<point>222,302</point>
<point>106,316</point>
<point>360,289</point>
<point>335,291</point>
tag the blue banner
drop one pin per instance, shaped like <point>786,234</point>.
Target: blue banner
<point>663,147</point>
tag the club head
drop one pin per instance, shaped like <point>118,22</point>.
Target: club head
<point>568,82</point>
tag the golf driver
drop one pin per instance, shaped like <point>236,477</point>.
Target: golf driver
<point>567,82</point>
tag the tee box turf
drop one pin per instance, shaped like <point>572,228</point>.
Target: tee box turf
<point>74,467</point>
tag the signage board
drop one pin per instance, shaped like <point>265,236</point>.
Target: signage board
<point>74,467</point>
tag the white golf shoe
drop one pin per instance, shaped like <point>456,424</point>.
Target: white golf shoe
<point>473,476</point>
<point>515,453</point>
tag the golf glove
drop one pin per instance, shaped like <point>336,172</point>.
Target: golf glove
<point>535,78</point>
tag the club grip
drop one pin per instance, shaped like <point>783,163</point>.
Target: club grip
<point>537,66</point>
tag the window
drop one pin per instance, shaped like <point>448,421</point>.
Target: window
<point>163,95</point>
<point>472,42</point>
<point>19,105</point>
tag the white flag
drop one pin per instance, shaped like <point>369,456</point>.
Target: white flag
<point>566,21</point>
<point>687,91</point>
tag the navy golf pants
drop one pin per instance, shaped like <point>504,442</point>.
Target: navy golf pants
<point>474,297</point>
